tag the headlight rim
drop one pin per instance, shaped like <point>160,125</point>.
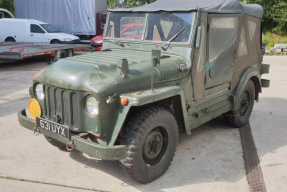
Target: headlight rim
<point>35,92</point>
<point>86,106</point>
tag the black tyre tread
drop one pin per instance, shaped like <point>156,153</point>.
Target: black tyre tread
<point>133,130</point>
<point>236,122</point>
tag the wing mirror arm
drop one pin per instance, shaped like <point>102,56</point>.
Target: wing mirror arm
<point>155,61</point>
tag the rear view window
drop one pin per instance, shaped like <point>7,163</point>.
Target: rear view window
<point>251,29</point>
<point>222,35</point>
<point>242,44</point>
<point>36,29</point>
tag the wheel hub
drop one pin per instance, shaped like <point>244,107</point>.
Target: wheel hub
<point>153,144</point>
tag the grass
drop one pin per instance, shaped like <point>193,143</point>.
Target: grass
<point>271,39</point>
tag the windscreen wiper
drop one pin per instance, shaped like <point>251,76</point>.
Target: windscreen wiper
<point>168,42</point>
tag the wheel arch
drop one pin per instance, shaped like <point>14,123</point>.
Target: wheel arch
<point>55,40</point>
<point>10,37</point>
<point>251,73</point>
<point>257,85</point>
<point>170,98</point>
<point>173,104</point>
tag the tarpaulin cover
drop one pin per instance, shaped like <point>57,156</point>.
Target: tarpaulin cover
<point>211,6</point>
<point>70,16</point>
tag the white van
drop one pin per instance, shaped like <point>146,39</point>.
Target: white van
<point>26,30</point>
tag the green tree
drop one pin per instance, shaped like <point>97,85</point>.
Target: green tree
<point>128,3</point>
<point>133,3</point>
<point>8,4</point>
<point>275,15</point>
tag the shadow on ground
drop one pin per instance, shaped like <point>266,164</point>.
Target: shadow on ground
<point>213,153</point>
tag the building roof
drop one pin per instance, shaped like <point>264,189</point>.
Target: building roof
<point>211,6</point>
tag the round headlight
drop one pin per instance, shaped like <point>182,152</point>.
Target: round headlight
<point>39,90</point>
<point>92,105</point>
<point>100,41</point>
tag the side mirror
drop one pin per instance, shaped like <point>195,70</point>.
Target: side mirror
<point>198,37</point>
<point>124,65</point>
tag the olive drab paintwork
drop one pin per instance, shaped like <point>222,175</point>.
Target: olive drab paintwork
<point>181,77</point>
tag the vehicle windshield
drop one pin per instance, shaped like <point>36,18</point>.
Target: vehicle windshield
<point>50,29</point>
<point>157,27</point>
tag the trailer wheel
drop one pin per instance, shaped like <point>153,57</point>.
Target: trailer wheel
<point>151,137</point>
<point>10,39</point>
<point>245,105</point>
<point>69,52</point>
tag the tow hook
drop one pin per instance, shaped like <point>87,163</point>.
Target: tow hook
<point>36,131</point>
<point>70,146</point>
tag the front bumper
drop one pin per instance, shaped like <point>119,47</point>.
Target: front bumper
<point>88,147</point>
<point>98,47</point>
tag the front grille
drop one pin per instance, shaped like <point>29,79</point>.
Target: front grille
<point>62,106</point>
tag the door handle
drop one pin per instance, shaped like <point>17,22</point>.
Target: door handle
<point>32,35</point>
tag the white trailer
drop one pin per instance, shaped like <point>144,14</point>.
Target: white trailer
<point>10,52</point>
<point>77,17</point>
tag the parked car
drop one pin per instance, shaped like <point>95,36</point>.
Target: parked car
<point>4,13</point>
<point>130,30</point>
<point>97,43</point>
<point>26,30</point>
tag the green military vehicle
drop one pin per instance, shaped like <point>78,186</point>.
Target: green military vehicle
<point>166,67</point>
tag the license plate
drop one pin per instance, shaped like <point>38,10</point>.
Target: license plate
<point>52,127</point>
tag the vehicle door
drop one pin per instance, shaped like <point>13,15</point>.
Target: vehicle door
<point>221,48</point>
<point>37,34</point>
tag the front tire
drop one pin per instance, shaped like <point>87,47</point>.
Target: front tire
<point>55,41</point>
<point>244,105</point>
<point>151,137</point>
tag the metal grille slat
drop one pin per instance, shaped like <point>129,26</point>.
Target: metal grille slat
<point>47,110</point>
<point>64,103</point>
<point>66,108</point>
<point>75,111</point>
<point>51,101</point>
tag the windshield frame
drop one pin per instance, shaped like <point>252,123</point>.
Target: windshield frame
<point>145,41</point>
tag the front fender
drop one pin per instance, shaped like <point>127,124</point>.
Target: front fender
<point>141,98</point>
<point>249,73</point>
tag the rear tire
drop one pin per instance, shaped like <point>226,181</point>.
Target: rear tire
<point>245,106</point>
<point>69,52</point>
<point>151,137</point>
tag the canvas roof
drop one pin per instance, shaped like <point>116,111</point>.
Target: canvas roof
<point>211,6</point>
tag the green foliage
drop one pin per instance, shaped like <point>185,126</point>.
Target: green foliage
<point>275,15</point>
<point>128,3</point>
<point>113,2</point>
<point>133,3</point>
<point>271,39</point>
<point>8,4</point>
